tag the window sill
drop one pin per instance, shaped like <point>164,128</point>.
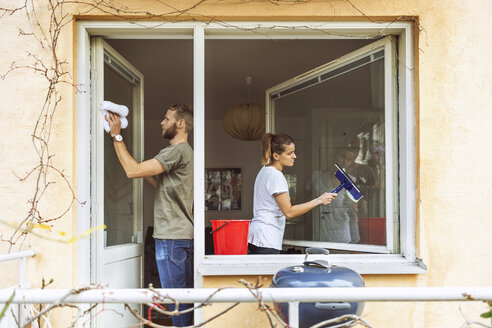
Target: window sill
<point>220,265</point>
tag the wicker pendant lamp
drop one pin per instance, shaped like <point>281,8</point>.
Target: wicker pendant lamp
<point>245,121</point>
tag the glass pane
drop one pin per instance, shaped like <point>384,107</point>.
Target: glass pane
<point>340,120</point>
<point>118,189</point>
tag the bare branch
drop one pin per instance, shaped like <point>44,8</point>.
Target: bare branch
<point>271,315</point>
<point>59,303</point>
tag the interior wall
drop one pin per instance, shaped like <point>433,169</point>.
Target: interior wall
<point>223,151</point>
<point>270,62</point>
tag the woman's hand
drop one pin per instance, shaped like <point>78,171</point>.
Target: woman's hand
<point>325,198</point>
<point>291,211</point>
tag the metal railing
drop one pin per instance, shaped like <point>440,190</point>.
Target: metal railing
<point>293,296</point>
<point>22,264</point>
<point>21,256</point>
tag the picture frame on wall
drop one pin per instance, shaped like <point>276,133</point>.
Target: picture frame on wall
<point>223,189</point>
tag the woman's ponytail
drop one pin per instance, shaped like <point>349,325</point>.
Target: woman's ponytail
<point>273,143</point>
<point>266,149</point>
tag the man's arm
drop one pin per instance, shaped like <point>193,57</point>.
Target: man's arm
<point>132,168</point>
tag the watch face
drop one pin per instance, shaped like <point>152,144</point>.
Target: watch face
<point>118,137</point>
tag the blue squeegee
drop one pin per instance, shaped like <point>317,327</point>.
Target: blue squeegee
<point>345,182</point>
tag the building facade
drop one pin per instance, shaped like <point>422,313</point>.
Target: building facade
<point>408,81</point>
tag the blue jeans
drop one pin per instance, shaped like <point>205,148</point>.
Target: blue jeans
<point>174,259</point>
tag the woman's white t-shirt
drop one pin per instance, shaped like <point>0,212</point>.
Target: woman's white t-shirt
<point>268,224</point>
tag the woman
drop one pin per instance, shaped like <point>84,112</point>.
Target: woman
<point>271,204</point>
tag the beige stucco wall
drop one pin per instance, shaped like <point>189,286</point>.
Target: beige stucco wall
<point>23,94</point>
<point>454,202</point>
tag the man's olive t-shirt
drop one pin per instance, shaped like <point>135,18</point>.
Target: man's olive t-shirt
<point>173,201</point>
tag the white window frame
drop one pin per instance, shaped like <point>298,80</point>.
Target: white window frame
<point>386,44</point>
<point>405,262</point>
<point>102,54</point>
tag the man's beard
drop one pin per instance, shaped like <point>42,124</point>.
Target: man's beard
<point>171,132</point>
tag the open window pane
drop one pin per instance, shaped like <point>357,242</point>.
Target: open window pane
<point>119,191</point>
<point>117,201</point>
<point>337,114</point>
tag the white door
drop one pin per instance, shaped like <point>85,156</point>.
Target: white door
<point>116,250</point>
<point>343,111</point>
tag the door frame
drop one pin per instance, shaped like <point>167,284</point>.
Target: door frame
<point>102,254</point>
<point>85,30</point>
<point>92,254</point>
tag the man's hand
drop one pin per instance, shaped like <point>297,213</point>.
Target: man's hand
<point>132,168</point>
<point>114,123</point>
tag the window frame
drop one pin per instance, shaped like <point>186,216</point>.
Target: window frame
<point>405,262</point>
<point>388,46</point>
<point>133,76</point>
<point>102,255</point>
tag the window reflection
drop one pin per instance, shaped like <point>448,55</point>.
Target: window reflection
<point>119,191</point>
<point>338,121</point>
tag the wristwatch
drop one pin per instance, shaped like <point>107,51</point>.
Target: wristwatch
<point>117,137</point>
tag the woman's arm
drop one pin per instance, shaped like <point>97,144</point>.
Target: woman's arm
<point>291,211</point>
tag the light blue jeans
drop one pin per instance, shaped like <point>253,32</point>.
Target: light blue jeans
<point>174,259</point>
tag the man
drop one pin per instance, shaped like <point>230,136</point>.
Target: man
<point>170,173</point>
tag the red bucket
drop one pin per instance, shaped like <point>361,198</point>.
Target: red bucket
<point>372,231</point>
<point>230,236</point>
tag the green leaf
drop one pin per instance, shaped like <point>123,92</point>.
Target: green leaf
<point>488,314</point>
<point>7,305</point>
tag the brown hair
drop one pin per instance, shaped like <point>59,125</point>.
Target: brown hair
<point>273,143</point>
<point>183,112</point>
